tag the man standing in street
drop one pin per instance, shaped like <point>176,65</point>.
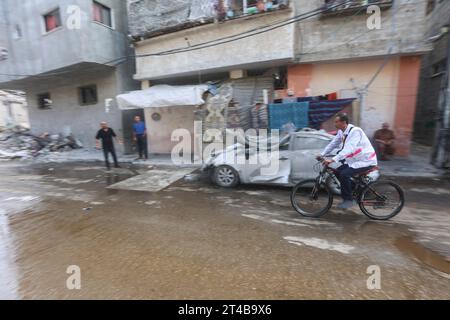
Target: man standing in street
<point>106,135</point>
<point>140,137</point>
<point>356,155</point>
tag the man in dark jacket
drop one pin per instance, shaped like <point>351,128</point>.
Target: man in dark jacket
<point>107,135</point>
<point>384,142</point>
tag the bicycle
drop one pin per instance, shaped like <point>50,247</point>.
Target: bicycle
<point>314,198</point>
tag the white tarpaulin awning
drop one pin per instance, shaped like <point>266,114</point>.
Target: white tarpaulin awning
<point>163,96</point>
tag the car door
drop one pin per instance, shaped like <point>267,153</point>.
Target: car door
<point>275,170</point>
<point>304,149</point>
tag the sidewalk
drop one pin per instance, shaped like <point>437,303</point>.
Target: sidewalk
<point>88,155</point>
<point>416,165</point>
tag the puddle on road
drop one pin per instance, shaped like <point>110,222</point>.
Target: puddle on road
<point>436,191</point>
<point>424,255</point>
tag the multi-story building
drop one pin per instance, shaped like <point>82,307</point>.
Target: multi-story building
<point>316,46</point>
<point>72,58</point>
<point>432,123</point>
<point>13,109</point>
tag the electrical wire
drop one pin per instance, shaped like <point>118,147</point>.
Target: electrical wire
<point>247,34</point>
<point>220,41</point>
<point>334,48</point>
<point>211,43</point>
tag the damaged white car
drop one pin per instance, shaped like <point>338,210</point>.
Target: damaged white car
<point>293,159</point>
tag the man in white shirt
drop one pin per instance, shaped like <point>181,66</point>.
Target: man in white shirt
<point>356,154</point>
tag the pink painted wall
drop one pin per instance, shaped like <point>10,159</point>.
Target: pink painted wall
<point>408,83</point>
<point>299,78</point>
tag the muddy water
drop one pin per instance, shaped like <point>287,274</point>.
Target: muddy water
<point>425,255</point>
<point>193,240</point>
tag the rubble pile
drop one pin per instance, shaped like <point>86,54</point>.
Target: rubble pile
<point>20,143</point>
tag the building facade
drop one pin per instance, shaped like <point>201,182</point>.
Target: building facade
<point>72,58</point>
<point>315,47</point>
<point>432,122</point>
<point>13,109</point>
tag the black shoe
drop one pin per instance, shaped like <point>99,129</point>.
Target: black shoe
<point>117,167</point>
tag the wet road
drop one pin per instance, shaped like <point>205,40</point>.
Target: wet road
<point>195,241</point>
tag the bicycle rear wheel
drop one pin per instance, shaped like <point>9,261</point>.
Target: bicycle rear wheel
<point>310,200</point>
<point>382,200</point>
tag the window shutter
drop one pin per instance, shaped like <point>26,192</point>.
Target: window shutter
<point>97,12</point>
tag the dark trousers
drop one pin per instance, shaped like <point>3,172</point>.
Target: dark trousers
<point>344,174</point>
<point>383,150</point>
<point>142,145</point>
<point>106,151</point>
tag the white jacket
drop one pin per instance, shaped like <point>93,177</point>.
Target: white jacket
<point>358,152</point>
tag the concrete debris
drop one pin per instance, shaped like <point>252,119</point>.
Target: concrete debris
<point>153,17</point>
<point>154,180</point>
<point>87,210</point>
<point>20,143</point>
<point>192,177</point>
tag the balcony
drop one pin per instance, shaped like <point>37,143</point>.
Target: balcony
<point>353,7</point>
<point>149,22</point>
<point>241,53</point>
<point>230,9</point>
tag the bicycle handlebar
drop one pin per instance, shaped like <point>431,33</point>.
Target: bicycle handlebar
<point>322,158</point>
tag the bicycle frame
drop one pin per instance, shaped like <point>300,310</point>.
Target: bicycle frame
<point>365,189</point>
<point>360,183</point>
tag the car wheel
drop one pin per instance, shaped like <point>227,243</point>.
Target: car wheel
<point>226,177</point>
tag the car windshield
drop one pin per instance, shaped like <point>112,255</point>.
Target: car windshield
<point>310,143</point>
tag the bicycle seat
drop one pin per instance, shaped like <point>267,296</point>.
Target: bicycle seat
<point>365,173</point>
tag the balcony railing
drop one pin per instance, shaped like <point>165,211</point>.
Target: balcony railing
<point>230,9</point>
<point>353,6</point>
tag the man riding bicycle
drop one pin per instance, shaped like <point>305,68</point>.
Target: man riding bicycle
<point>357,155</point>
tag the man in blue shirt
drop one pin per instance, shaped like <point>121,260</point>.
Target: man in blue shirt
<point>140,137</point>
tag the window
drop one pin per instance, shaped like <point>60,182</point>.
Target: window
<point>309,143</point>
<point>44,101</point>
<point>439,68</point>
<point>102,14</point>
<point>251,3</point>
<point>235,8</point>
<point>88,95</point>
<point>3,54</point>
<point>52,20</point>
<point>430,6</point>
<point>17,32</point>
<point>281,79</point>
<point>354,5</point>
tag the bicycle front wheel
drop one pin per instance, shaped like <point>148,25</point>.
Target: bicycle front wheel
<point>310,199</point>
<point>382,200</point>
